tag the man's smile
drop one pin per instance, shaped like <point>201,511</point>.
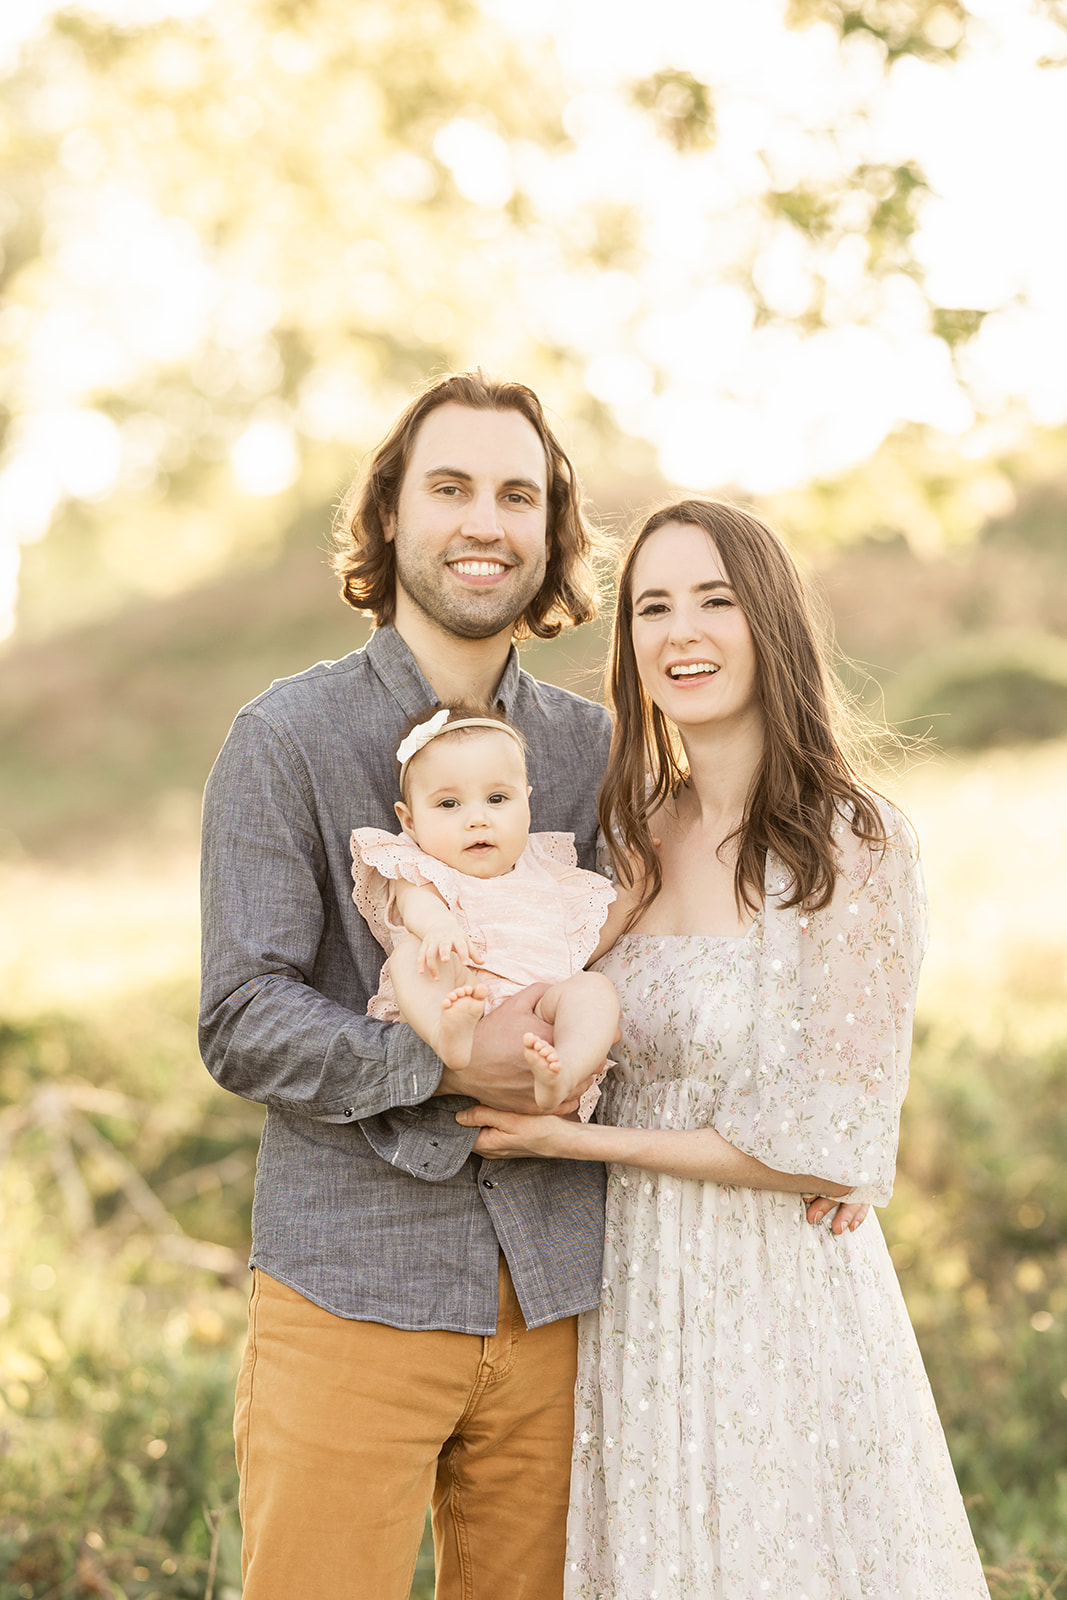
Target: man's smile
<point>467,567</point>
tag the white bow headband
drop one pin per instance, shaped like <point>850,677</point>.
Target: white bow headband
<point>423,732</point>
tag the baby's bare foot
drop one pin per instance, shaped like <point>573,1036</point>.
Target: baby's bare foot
<point>461,1011</point>
<point>546,1067</point>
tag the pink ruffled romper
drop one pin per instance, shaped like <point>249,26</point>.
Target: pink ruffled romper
<point>538,923</point>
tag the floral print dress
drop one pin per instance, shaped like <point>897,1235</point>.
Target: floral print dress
<point>753,1418</point>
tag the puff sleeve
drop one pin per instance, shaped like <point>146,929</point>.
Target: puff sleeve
<point>837,994</point>
<point>379,859</point>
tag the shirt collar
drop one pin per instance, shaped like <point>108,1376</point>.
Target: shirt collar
<point>396,667</point>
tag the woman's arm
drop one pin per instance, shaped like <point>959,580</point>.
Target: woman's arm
<point>693,1153</point>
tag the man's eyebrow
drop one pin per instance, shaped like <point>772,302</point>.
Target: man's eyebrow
<point>467,477</point>
<point>698,588</point>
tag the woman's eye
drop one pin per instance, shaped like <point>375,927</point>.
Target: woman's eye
<point>652,611</point>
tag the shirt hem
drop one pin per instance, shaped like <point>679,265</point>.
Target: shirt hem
<point>390,1319</point>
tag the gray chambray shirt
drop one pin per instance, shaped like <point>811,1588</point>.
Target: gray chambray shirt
<point>368,1199</point>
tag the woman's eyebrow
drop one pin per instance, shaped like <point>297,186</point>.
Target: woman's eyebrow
<point>698,588</point>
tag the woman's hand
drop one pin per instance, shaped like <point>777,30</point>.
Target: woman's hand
<point>849,1215</point>
<point>506,1134</point>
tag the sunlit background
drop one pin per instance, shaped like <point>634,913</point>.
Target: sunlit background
<point>807,253</point>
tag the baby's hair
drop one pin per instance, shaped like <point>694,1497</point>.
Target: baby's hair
<point>458,713</point>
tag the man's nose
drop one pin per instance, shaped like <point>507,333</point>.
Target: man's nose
<point>482,519</point>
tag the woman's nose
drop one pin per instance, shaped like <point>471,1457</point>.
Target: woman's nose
<point>684,628</point>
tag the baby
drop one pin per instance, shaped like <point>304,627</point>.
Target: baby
<point>474,907</point>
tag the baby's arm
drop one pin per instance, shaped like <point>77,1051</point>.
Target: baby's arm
<point>426,916</point>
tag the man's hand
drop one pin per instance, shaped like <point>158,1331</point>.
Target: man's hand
<point>498,1074</point>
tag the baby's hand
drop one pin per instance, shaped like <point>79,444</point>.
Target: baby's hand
<point>443,940</point>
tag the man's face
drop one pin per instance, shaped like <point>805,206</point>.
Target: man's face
<point>471,522</point>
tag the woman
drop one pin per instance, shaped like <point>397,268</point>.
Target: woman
<point>753,1418</point>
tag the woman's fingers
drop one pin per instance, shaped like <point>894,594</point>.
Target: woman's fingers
<point>847,1216</point>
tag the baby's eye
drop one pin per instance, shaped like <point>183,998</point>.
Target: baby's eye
<point>447,805</point>
<point>498,799</point>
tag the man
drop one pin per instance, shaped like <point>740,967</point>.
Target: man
<point>412,1322</point>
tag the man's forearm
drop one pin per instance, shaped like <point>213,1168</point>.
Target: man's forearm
<point>276,1040</point>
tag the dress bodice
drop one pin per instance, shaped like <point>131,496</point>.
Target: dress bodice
<point>689,1006</point>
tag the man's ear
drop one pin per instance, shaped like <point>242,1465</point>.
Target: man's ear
<point>405,819</point>
<point>389,526</point>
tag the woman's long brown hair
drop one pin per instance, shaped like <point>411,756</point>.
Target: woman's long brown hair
<point>804,780</point>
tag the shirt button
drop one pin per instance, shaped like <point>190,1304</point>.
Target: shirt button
<point>487,1183</point>
<point>349,1112</point>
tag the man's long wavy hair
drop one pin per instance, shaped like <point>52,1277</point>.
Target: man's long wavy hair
<point>365,560</point>
<point>804,780</point>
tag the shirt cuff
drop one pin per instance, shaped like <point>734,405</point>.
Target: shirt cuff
<point>420,1134</point>
<point>425,1140</point>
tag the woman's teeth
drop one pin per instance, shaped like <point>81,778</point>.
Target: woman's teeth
<point>692,671</point>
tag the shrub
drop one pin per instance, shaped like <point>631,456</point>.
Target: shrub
<point>986,690</point>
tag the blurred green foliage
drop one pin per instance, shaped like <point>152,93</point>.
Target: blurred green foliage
<point>978,1232</point>
<point>125,1196</point>
<point>683,107</point>
<point>932,30</point>
<point>986,689</point>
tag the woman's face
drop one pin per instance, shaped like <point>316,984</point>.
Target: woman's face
<point>691,639</point>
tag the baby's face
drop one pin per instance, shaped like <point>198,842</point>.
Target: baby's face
<point>469,803</point>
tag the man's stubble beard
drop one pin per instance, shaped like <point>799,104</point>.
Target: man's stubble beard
<point>476,618</point>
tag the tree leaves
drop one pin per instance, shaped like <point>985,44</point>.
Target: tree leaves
<point>933,30</point>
